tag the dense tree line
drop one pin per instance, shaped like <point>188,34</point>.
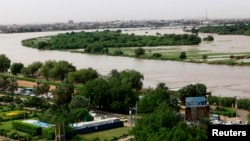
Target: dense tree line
<point>160,118</point>
<point>237,29</point>
<point>100,41</point>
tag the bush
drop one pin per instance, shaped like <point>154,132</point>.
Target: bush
<point>204,56</point>
<point>118,52</point>
<point>183,55</point>
<point>156,55</point>
<point>225,111</point>
<point>208,38</point>
<point>48,133</point>
<point>26,127</point>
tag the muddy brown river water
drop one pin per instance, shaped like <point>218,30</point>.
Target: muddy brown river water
<point>220,80</point>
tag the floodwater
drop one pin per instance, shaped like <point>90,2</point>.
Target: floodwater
<point>220,80</point>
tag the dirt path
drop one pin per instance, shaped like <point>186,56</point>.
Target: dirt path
<point>23,83</point>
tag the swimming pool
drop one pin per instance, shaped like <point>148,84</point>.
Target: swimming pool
<point>38,123</point>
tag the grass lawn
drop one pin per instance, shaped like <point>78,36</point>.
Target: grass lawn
<point>7,125</point>
<point>102,135</point>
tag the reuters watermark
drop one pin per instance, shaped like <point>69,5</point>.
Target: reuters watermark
<point>241,132</point>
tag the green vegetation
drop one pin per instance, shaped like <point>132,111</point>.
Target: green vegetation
<point>161,119</point>
<point>229,112</point>
<point>26,127</point>
<point>99,42</point>
<point>208,38</point>
<point>237,29</point>
<point>145,46</point>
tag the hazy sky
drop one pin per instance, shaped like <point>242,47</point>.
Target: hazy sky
<point>50,11</point>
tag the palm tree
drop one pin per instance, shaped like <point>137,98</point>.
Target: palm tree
<point>63,93</point>
<point>36,88</point>
<point>45,89</point>
<point>41,88</point>
<point>12,85</point>
<point>4,83</point>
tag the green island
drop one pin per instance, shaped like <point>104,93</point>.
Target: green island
<point>158,47</point>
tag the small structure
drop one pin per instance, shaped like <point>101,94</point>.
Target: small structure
<point>196,109</point>
<point>98,125</point>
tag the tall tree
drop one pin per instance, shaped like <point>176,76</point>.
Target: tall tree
<point>41,88</point>
<point>132,78</point>
<point>4,81</point>
<point>152,99</point>
<point>12,85</point>
<point>63,93</point>
<point>192,90</point>
<point>46,69</point>
<point>98,92</point>
<point>4,63</point>
<point>16,68</point>
<point>34,67</point>
<point>139,51</point>
<point>79,101</point>
<point>163,117</point>
<point>61,70</point>
<point>83,75</point>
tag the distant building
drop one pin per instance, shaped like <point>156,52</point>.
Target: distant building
<point>70,22</point>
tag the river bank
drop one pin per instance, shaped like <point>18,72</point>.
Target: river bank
<point>221,80</point>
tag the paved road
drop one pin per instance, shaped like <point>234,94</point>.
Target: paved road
<point>241,115</point>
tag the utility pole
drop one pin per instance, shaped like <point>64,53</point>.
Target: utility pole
<point>130,115</point>
<point>136,112</point>
<point>236,106</point>
<point>206,14</point>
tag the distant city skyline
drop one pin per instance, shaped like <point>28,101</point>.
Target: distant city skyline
<point>53,11</point>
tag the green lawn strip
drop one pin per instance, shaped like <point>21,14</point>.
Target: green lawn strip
<point>7,125</point>
<point>15,95</point>
<point>102,135</point>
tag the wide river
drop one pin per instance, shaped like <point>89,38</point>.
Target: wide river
<point>220,80</point>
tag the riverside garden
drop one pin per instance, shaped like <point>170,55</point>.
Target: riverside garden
<point>76,92</point>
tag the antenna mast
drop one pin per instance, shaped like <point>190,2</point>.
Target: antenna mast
<point>206,14</point>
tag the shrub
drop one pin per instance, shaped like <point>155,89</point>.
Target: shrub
<point>183,55</point>
<point>48,133</point>
<point>225,111</point>
<point>26,127</point>
<point>118,52</point>
<point>204,56</point>
<point>208,38</point>
<point>157,55</point>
